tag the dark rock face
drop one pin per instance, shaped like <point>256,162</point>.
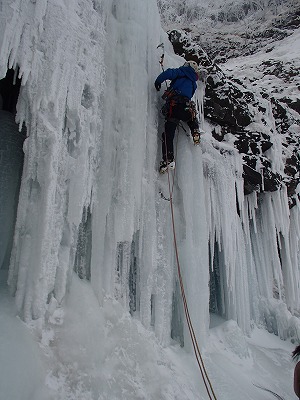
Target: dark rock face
<point>245,116</point>
<point>225,103</point>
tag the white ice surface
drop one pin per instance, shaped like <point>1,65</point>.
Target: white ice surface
<point>90,352</point>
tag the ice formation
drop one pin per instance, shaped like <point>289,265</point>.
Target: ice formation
<point>90,197</point>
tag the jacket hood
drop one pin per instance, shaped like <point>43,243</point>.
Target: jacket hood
<point>189,72</point>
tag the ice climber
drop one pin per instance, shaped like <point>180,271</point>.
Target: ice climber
<point>178,107</point>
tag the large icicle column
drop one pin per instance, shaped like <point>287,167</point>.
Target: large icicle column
<point>133,253</point>
<point>254,246</point>
<point>58,50</point>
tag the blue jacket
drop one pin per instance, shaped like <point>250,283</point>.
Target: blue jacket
<point>183,80</point>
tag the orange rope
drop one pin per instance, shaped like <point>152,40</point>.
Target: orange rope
<point>206,380</point>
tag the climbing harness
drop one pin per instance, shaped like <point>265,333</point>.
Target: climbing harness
<point>172,99</point>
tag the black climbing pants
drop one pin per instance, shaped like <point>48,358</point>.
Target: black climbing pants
<point>178,112</point>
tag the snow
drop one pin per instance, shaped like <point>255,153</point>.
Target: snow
<point>252,69</point>
<point>20,354</point>
<point>93,352</point>
<point>90,202</point>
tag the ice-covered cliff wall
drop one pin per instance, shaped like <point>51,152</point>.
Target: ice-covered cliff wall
<point>90,193</point>
<point>90,197</point>
<point>133,255</point>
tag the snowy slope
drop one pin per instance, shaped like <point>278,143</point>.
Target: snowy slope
<point>229,28</point>
<point>274,72</point>
<point>89,352</point>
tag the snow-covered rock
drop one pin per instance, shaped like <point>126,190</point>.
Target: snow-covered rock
<point>253,121</point>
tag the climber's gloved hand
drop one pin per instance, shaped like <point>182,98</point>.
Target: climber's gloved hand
<point>157,85</point>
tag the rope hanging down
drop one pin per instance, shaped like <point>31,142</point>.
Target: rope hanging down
<point>205,377</point>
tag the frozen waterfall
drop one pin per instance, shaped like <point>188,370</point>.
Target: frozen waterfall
<point>90,192</point>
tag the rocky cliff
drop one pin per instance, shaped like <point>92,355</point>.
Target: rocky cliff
<point>246,111</point>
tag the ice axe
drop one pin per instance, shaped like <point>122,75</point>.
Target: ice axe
<point>161,61</point>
